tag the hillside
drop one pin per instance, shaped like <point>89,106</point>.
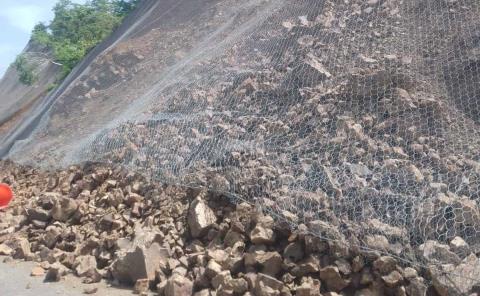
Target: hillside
<point>354,121</point>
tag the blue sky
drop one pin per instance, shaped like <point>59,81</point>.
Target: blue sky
<point>17,19</point>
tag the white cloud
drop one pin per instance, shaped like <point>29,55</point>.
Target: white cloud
<point>24,17</point>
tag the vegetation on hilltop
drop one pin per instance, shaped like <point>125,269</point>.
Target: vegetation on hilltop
<point>75,30</point>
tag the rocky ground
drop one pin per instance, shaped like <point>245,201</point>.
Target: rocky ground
<point>100,222</point>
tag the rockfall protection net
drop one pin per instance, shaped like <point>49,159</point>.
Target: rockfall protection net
<point>355,120</point>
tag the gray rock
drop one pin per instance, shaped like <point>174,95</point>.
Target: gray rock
<point>435,252</point>
<point>294,251</point>
<point>38,214</point>
<point>416,287</point>
<point>86,266</point>
<point>263,232</point>
<point>139,263</point>
<point>453,280</point>
<point>385,265</point>
<point>270,262</point>
<point>267,285</point>
<point>392,279</point>
<point>64,208</point>
<point>459,247</point>
<point>200,217</point>
<point>55,272</point>
<point>21,248</point>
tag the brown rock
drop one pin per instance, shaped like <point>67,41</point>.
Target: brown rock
<point>90,290</point>
<point>86,266</point>
<point>309,287</point>
<point>5,250</point>
<point>271,262</point>
<point>141,286</point>
<point>178,285</point>
<point>55,273</point>
<point>263,232</point>
<point>331,276</point>
<point>37,271</point>
<point>385,264</point>
<point>416,287</point>
<point>393,279</point>
<point>267,285</point>
<point>21,249</point>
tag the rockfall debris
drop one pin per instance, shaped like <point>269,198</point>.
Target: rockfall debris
<point>100,222</point>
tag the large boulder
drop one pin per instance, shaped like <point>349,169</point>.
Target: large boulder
<point>200,217</point>
<point>139,263</point>
<point>456,280</point>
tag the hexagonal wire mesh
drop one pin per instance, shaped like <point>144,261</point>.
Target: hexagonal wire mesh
<point>354,120</point>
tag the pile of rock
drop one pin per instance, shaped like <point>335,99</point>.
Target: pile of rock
<point>103,222</point>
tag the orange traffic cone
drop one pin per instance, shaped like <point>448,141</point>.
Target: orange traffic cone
<point>6,195</point>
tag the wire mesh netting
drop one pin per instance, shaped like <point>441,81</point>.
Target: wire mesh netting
<point>355,120</point>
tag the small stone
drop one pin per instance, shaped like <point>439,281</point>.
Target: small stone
<point>416,287</point>
<point>64,208</point>
<point>293,251</point>
<point>263,232</point>
<point>5,250</point>
<point>141,286</point>
<point>271,262</point>
<point>90,290</point>
<point>331,276</point>
<point>37,271</point>
<point>22,249</point>
<point>409,273</point>
<point>459,247</point>
<point>393,279</point>
<point>212,269</point>
<point>55,273</point>
<point>309,287</point>
<point>86,266</point>
<point>267,283</point>
<point>178,285</point>
<point>385,264</point>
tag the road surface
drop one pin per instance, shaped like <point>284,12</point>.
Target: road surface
<point>16,281</point>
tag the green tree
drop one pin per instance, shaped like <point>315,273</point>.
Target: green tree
<point>77,28</point>
<point>26,71</point>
